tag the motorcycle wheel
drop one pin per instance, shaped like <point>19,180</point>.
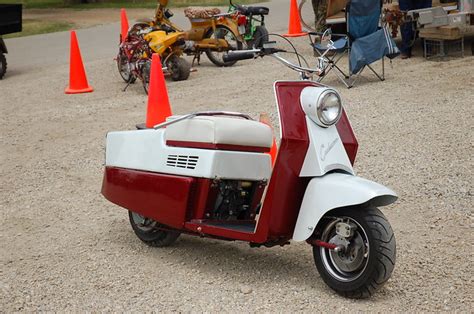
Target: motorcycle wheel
<point>179,68</point>
<point>369,258</point>
<point>149,232</point>
<point>124,67</point>
<point>260,36</point>
<point>145,75</point>
<point>222,32</point>
<point>3,65</point>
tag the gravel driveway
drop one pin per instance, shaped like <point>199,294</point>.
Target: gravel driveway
<point>65,248</point>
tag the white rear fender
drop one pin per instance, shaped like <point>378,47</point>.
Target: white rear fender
<point>337,190</point>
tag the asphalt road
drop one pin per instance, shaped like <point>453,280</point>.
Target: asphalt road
<point>101,41</point>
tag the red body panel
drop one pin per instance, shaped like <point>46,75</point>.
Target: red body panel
<point>203,145</point>
<point>161,197</point>
<point>286,189</point>
<point>199,200</point>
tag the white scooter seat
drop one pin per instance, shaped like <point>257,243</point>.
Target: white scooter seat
<point>211,132</point>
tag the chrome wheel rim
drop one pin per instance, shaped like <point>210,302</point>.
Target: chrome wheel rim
<point>124,68</point>
<point>350,263</point>
<point>146,69</point>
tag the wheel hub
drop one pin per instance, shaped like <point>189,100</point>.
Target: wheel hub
<point>352,257</point>
<point>143,223</point>
<point>348,262</point>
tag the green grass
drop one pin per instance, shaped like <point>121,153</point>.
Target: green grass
<point>34,27</point>
<point>47,4</point>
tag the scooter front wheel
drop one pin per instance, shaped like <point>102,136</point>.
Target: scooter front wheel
<point>3,65</point>
<point>365,255</point>
<point>151,232</point>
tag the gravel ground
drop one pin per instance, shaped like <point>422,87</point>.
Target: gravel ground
<point>64,247</point>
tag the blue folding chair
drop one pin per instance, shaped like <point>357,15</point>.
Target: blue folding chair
<point>364,43</point>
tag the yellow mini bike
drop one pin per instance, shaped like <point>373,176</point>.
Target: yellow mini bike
<point>212,32</point>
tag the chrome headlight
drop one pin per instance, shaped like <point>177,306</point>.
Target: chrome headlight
<point>329,107</point>
<point>322,105</point>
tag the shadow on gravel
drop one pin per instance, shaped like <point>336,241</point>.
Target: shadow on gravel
<point>291,267</point>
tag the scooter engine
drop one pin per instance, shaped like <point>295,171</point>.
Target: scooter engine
<point>233,200</point>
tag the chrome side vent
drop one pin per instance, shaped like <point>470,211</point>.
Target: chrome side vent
<point>181,161</point>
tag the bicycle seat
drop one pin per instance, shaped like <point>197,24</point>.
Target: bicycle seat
<point>200,13</point>
<point>253,10</point>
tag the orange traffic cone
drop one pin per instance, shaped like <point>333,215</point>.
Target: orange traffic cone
<point>124,25</point>
<point>264,118</point>
<point>158,103</point>
<point>77,74</point>
<point>294,27</point>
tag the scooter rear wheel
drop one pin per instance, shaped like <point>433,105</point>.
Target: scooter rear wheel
<point>368,256</point>
<point>151,232</point>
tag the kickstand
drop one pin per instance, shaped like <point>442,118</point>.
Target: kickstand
<point>197,57</point>
<point>128,84</point>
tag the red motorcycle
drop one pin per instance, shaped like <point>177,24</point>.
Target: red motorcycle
<point>134,57</point>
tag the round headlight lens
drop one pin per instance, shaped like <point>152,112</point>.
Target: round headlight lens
<point>329,108</point>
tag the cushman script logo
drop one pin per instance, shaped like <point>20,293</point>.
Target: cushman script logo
<point>325,150</point>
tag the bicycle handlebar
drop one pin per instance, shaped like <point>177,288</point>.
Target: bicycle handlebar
<point>237,55</point>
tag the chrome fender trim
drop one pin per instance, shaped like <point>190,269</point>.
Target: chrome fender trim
<point>336,190</point>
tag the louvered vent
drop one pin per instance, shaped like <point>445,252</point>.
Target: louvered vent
<point>181,161</point>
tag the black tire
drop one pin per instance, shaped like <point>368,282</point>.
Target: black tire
<point>149,231</point>
<point>124,67</point>
<point>145,70</point>
<point>371,269</point>
<point>260,36</point>
<point>3,65</point>
<point>179,68</point>
<point>223,32</point>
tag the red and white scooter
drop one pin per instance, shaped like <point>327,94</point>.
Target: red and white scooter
<point>208,174</point>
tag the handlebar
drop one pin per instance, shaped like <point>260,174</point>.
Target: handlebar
<point>237,55</point>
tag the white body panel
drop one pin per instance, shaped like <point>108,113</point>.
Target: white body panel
<point>147,150</point>
<point>336,190</point>
<point>325,152</point>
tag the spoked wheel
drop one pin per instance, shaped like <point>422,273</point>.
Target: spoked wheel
<point>179,68</point>
<point>3,65</point>
<point>124,67</point>
<point>145,69</point>
<point>366,251</point>
<point>150,232</point>
<point>222,32</point>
